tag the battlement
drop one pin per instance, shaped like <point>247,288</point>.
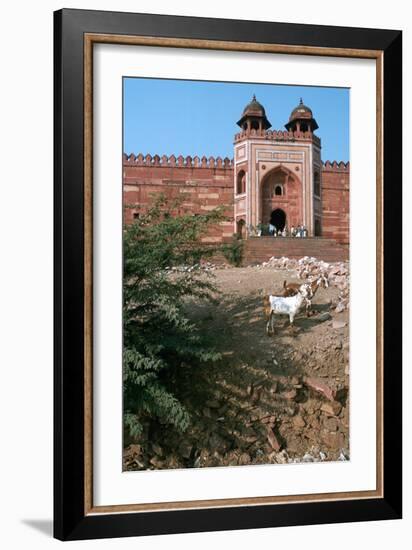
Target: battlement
<point>180,161</point>
<point>277,135</point>
<point>335,166</point>
<point>214,162</point>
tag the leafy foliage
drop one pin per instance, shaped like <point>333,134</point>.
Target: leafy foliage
<point>233,251</point>
<point>161,272</point>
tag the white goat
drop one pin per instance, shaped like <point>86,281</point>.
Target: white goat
<point>289,305</point>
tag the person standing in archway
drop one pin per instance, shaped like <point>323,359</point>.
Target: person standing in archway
<point>272,229</point>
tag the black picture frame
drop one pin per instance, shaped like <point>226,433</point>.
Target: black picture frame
<point>70,520</point>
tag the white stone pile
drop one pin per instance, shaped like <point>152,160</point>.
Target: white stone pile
<point>202,266</point>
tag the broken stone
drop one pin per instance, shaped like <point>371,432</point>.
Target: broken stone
<point>338,324</point>
<point>282,457</point>
<point>274,387</point>
<point>307,457</point>
<point>157,449</point>
<point>244,459</point>
<point>334,441</point>
<point>255,398</point>
<point>173,462</point>
<point>331,424</point>
<point>216,442</point>
<point>139,463</point>
<point>290,411</point>
<point>294,444</point>
<point>185,449</point>
<point>290,395</point>
<point>298,422</point>
<point>132,450</point>
<point>311,406</point>
<point>319,386</point>
<point>156,462</point>
<point>332,409</point>
<point>313,435</point>
<point>273,440</point>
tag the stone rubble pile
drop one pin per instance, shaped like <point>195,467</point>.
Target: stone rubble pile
<point>308,268</point>
<point>202,266</point>
<point>306,421</point>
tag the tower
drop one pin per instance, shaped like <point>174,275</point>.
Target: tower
<point>277,172</point>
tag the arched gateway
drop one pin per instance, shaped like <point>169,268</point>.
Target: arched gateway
<point>281,198</point>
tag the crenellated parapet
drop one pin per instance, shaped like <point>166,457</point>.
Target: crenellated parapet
<point>180,161</point>
<point>334,166</point>
<point>277,135</point>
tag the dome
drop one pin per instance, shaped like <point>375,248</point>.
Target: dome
<point>301,111</point>
<point>254,111</point>
<point>302,117</point>
<point>254,108</point>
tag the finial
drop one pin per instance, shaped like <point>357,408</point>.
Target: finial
<point>254,97</point>
<point>301,101</point>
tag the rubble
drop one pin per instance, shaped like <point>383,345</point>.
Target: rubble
<point>332,408</point>
<point>338,324</point>
<point>319,386</point>
<point>273,440</point>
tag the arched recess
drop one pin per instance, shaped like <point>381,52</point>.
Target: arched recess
<point>241,182</point>
<point>241,228</point>
<point>281,189</point>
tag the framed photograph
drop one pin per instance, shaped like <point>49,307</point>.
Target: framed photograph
<point>227,274</point>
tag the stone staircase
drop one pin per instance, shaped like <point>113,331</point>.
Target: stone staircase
<point>260,249</point>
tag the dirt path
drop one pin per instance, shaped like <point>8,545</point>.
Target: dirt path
<point>270,399</point>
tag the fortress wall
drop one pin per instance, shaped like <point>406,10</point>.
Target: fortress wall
<point>203,184</point>
<point>335,201</point>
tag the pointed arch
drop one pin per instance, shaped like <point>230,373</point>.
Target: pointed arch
<point>281,189</point>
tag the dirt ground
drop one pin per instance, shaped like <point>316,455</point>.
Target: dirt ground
<point>271,399</point>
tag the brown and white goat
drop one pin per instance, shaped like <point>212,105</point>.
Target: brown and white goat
<point>291,289</point>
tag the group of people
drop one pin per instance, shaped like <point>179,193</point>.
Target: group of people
<point>299,231</point>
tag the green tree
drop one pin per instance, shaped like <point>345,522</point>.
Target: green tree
<point>162,251</point>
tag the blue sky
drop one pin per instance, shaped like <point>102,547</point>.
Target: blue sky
<point>183,117</point>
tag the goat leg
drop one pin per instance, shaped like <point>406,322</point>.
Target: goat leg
<point>269,325</point>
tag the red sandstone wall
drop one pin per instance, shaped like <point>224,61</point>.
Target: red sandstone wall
<point>207,183</point>
<point>204,184</point>
<point>335,201</point>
